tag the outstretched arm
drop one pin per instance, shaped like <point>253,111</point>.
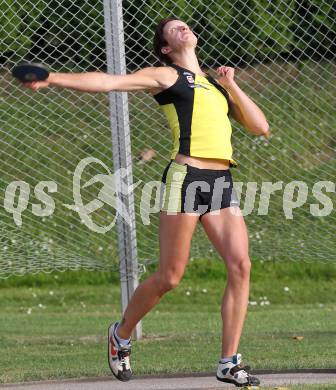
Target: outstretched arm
<point>144,79</point>
<point>243,109</point>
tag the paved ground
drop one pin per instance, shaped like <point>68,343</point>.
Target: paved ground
<point>270,381</point>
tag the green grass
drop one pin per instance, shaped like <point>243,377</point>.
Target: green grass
<point>64,334</point>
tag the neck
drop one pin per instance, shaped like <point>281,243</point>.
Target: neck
<point>188,60</point>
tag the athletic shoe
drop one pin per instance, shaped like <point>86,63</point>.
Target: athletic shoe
<point>118,356</point>
<point>234,372</point>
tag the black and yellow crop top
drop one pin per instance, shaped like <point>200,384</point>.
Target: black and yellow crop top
<point>197,109</point>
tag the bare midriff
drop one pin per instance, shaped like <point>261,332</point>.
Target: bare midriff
<point>202,163</point>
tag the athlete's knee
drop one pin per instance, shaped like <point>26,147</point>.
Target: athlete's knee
<point>239,267</point>
<point>167,281</point>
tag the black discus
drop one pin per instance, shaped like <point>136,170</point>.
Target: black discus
<point>28,72</point>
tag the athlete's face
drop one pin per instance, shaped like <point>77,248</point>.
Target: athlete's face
<point>178,35</point>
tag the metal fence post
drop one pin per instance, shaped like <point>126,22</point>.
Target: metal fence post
<point>121,146</point>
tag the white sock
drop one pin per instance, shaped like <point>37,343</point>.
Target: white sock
<point>119,339</point>
<point>226,359</point>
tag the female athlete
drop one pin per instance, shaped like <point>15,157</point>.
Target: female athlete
<point>197,184</point>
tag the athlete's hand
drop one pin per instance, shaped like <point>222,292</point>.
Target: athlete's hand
<point>36,85</point>
<point>226,75</point>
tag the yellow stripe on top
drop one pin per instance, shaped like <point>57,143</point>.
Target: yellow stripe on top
<point>196,108</point>
<point>210,127</point>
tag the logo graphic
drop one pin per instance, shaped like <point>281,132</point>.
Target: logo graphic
<point>190,79</point>
<point>111,193</point>
<point>116,191</point>
<point>199,86</point>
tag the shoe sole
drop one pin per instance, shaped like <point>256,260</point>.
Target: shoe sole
<point>249,387</point>
<point>109,335</point>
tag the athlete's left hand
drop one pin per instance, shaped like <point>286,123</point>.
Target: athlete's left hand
<point>226,75</point>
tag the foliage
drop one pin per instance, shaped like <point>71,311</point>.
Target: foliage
<point>71,33</point>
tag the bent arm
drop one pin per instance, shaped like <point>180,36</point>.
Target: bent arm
<point>246,112</point>
<point>144,79</point>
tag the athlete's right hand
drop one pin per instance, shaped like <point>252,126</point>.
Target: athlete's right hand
<point>36,85</point>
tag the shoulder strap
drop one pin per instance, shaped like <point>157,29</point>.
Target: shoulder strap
<point>221,89</point>
<point>174,66</point>
<point>180,69</point>
<point>218,86</point>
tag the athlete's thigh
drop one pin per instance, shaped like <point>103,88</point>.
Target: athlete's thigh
<point>175,238</point>
<point>228,233</point>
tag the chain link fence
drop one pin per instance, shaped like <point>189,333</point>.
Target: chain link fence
<point>283,52</point>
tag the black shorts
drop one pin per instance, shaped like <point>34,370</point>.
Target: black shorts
<point>187,189</point>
